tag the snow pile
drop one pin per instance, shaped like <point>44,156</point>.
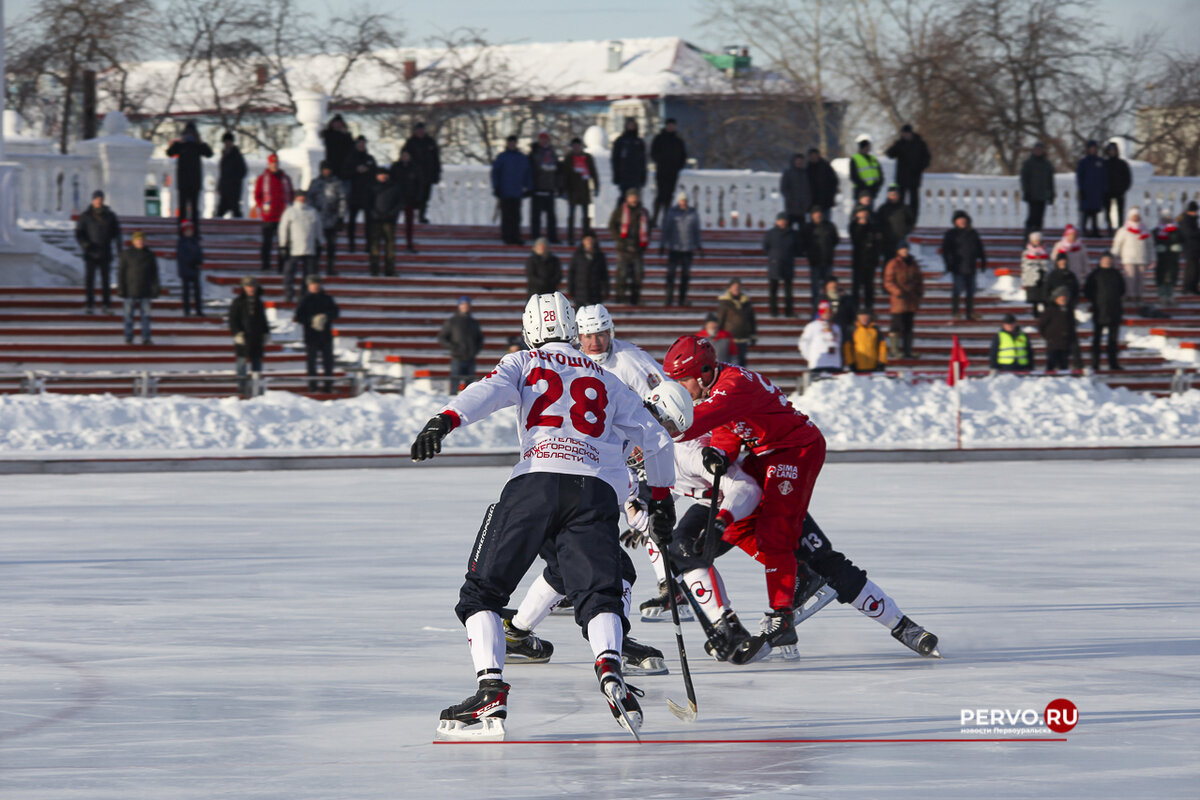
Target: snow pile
<point>853,412</point>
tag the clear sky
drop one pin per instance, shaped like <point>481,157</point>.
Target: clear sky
<point>556,20</point>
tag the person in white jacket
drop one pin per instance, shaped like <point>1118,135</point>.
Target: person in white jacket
<point>1076,252</point>
<point>301,237</point>
<point>821,342</point>
<point>1134,250</point>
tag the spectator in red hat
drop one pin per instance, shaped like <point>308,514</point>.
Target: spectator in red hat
<point>273,193</point>
<point>189,257</point>
<point>821,342</point>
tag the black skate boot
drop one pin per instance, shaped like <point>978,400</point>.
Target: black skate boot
<point>916,638</point>
<point>811,589</point>
<point>480,716</point>
<point>622,698</point>
<point>658,609</point>
<point>565,608</point>
<point>728,636</point>
<point>642,659</point>
<point>777,633</point>
<point>521,646</point>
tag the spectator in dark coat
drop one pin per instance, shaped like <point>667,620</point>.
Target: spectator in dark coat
<point>409,184</point>
<point>681,242</point>
<point>1057,326</point>
<point>629,159</point>
<point>1168,246</point>
<point>1091,181</point>
<point>547,185</point>
<point>1037,187</point>
<point>818,241</point>
<point>736,315</point>
<point>629,227</point>
<point>1061,277</point>
<point>189,172</point>
<point>231,178</point>
<point>1117,181</point>
<point>388,202</point>
<point>512,180</point>
<point>796,192</point>
<point>543,270</point>
<point>248,324</point>
<point>781,244</point>
<point>98,232</point>
<point>1190,231</point>
<point>822,182</point>
<point>1011,350</point>
<point>327,195</point>
<point>896,221</point>
<point>866,241</point>
<point>463,337</point>
<point>1104,289</point>
<point>338,142</point>
<point>842,307</point>
<point>189,257</point>
<point>963,255</point>
<point>359,173</point>
<point>669,154</point>
<point>425,154</point>
<point>912,159</point>
<point>315,314</point>
<point>138,283</point>
<point>587,279</point>
<point>581,182</point>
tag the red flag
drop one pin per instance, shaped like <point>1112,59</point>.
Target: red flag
<point>957,356</point>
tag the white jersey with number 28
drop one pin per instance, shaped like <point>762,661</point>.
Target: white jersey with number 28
<point>574,418</point>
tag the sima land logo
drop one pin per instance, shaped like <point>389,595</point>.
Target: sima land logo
<point>1059,716</point>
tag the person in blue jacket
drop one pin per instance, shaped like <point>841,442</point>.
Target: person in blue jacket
<point>512,180</point>
<point>1091,180</point>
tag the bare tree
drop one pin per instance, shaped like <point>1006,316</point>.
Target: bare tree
<point>1168,118</point>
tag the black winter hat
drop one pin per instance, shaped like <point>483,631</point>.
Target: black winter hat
<point>906,129</point>
<point>577,140</point>
<point>1193,206</point>
<point>337,118</point>
<point>324,165</point>
<point>960,214</point>
<point>100,193</point>
<point>782,215</point>
<point>1009,319</point>
<point>361,138</point>
<point>1092,143</point>
<point>228,137</point>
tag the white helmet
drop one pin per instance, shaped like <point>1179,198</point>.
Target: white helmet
<point>596,319</point>
<point>548,318</point>
<point>671,405</point>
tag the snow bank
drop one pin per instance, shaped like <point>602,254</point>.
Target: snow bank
<point>854,413</point>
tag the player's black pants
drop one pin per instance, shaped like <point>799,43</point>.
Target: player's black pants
<point>576,515</point>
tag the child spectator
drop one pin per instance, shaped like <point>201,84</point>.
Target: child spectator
<point>865,350</point>
<point>1010,348</point>
<point>1063,277</point>
<point>1057,327</point>
<point>189,256</point>
<point>1075,251</point>
<point>1033,272</point>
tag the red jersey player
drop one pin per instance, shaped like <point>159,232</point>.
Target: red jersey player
<point>787,451</point>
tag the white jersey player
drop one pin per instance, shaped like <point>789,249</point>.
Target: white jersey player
<point>575,420</point>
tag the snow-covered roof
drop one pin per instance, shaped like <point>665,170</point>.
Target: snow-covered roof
<point>649,67</point>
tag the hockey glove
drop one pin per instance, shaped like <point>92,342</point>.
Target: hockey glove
<point>662,521</point>
<point>715,461</point>
<point>429,441</point>
<point>638,517</point>
<point>633,538</point>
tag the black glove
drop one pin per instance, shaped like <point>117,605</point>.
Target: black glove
<point>429,441</point>
<point>715,461</point>
<point>662,521</point>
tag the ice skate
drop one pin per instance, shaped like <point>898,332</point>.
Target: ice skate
<point>641,659</point>
<point>480,716</point>
<point>658,609</point>
<point>521,646</point>
<point>728,637</point>
<point>778,631</point>
<point>565,608</point>
<point>916,638</point>
<point>622,698</point>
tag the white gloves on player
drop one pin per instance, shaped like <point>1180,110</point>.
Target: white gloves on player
<point>638,517</point>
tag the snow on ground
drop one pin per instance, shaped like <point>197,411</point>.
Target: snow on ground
<point>291,635</point>
<point>854,413</point>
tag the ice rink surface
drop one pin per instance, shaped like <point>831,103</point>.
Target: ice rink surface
<point>291,635</point>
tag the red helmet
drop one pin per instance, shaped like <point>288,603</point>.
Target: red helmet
<point>690,357</point>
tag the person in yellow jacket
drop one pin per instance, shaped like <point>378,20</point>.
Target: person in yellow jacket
<point>865,172</point>
<point>866,349</point>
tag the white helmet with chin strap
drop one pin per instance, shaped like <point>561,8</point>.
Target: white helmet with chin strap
<point>671,405</point>
<point>596,319</point>
<point>549,318</point>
